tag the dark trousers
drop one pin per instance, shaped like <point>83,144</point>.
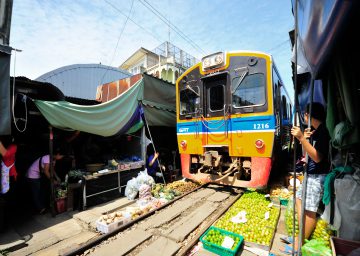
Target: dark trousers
<point>37,194</point>
<point>7,206</point>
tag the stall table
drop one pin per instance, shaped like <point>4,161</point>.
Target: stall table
<point>90,179</point>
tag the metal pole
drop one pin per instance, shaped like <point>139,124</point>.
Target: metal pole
<point>147,126</point>
<point>52,191</point>
<point>304,184</point>
<point>295,124</point>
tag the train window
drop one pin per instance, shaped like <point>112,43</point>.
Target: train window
<point>189,99</point>
<point>250,91</point>
<point>216,96</point>
<point>284,107</point>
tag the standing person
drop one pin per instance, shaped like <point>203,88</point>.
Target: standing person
<point>318,167</point>
<point>8,176</point>
<point>8,170</point>
<point>151,161</point>
<point>38,176</point>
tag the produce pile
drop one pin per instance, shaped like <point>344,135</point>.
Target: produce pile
<point>160,191</point>
<point>253,216</point>
<point>113,217</point>
<point>281,191</point>
<point>289,219</point>
<point>74,176</point>
<point>322,232</point>
<point>182,186</point>
<point>61,191</point>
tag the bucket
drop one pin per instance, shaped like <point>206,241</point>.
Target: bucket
<point>61,205</point>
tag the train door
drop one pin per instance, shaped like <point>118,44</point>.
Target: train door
<point>215,106</point>
<point>277,103</point>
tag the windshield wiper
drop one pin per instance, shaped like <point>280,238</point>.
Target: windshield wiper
<point>192,90</point>
<point>246,71</point>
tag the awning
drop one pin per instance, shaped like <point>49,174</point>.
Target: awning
<point>320,23</point>
<point>151,96</point>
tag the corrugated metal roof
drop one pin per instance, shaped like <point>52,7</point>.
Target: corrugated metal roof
<point>81,80</point>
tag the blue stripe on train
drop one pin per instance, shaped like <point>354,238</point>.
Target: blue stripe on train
<point>234,124</point>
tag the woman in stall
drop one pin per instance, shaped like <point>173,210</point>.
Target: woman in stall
<point>38,176</point>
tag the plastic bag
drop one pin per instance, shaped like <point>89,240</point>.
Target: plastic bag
<point>131,189</point>
<point>347,198</point>
<point>322,232</point>
<point>289,219</point>
<point>144,191</point>
<point>144,178</point>
<point>337,217</point>
<point>316,248</point>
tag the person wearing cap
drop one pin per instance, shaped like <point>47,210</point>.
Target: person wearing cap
<point>318,166</point>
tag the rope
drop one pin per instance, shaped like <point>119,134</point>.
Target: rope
<point>13,102</point>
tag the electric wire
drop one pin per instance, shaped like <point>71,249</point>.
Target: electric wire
<point>117,44</point>
<point>141,27</point>
<point>278,46</point>
<point>172,26</point>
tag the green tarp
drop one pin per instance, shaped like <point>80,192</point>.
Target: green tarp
<point>151,96</point>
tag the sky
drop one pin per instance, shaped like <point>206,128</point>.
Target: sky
<point>56,33</point>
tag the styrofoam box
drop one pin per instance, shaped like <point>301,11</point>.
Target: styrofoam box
<point>104,228</point>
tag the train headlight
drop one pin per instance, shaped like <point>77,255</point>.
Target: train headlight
<point>213,61</point>
<point>259,143</point>
<point>206,63</point>
<point>183,144</point>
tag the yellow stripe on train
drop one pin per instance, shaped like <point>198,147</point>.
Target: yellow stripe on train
<point>240,143</point>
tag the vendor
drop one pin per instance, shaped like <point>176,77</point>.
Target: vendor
<point>38,176</point>
<point>152,163</point>
<point>8,175</point>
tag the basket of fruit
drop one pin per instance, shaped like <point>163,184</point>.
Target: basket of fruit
<point>221,242</point>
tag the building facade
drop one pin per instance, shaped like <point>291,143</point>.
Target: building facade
<point>166,61</point>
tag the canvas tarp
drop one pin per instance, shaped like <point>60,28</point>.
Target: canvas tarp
<point>150,96</point>
<point>320,23</point>
<point>5,119</point>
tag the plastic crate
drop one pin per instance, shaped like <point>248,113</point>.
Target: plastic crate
<point>219,249</point>
<point>284,201</point>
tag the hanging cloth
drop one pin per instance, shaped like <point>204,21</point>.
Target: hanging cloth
<point>329,181</point>
<point>5,178</point>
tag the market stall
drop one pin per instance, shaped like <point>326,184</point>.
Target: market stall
<point>148,103</point>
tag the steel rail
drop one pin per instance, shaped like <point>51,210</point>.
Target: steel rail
<point>93,242</point>
<point>196,238</point>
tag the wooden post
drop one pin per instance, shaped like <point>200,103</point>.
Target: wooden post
<point>52,188</point>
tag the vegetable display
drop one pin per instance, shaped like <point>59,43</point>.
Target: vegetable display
<point>253,216</point>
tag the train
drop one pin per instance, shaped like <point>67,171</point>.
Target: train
<point>233,119</point>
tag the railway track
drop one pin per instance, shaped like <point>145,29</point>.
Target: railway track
<point>172,229</point>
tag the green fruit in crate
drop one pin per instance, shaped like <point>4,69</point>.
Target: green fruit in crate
<point>257,229</point>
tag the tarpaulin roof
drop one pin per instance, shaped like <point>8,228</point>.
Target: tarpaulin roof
<point>320,22</point>
<point>151,96</point>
